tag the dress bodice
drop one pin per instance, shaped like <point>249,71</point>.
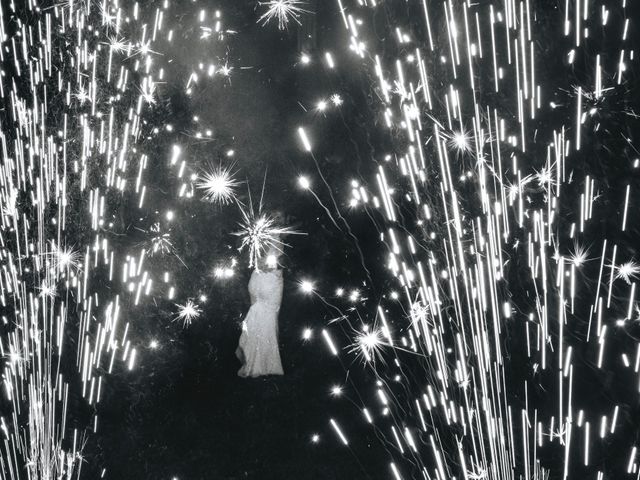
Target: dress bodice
<point>265,287</point>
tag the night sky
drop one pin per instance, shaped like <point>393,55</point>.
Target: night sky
<point>460,287</point>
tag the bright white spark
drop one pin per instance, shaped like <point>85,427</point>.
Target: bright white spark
<point>148,91</point>
<point>306,286</point>
<point>144,49</point>
<point>260,234</point>
<point>579,256</point>
<point>307,333</point>
<point>118,44</point>
<point>48,290</point>
<point>419,312</point>
<point>283,11</point>
<point>304,182</point>
<point>218,185</point>
<point>161,244</point>
<point>461,141</point>
<point>225,70</point>
<point>223,272</point>
<point>64,259</point>
<point>305,140</point>
<point>188,312</point>
<point>336,99</point>
<point>627,270</point>
<point>82,95</point>
<point>369,343</point>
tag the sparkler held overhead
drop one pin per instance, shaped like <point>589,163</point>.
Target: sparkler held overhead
<point>261,235</point>
<point>283,11</point>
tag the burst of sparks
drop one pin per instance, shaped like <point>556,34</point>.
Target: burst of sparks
<point>579,256</point>
<point>161,244</point>
<point>627,270</point>
<point>282,11</point>
<point>118,44</point>
<point>369,344</point>
<point>48,290</point>
<point>460,141</point>
<point>69,191</point>
<point>148,91</point>
<point>260,234</point>
<point>64,259</point>
<point>218,185</point>
<point>82,95</point>
<point>188,312</point>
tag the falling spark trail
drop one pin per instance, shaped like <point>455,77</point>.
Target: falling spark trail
<point>337,210</point>
<point>476,207</point>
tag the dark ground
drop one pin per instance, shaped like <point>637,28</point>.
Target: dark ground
<point>196,419</point>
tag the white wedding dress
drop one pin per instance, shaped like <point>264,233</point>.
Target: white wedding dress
<point>258,347</point>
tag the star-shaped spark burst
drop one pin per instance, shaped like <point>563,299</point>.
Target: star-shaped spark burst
<point>218,185</point>
<point>283,11</point>
<point>148,91</point>
<point>627,270</point>
<point>260,233</point>
<point>580,255</point>
<point>82,95</point>
<point>369,343</point>
<point>188,312</point>
<point>161,244</point>
<point>460,141</point>
<point>336,99</point>
<point>118,45</point>
<point>47,290</point>
<point>64,259</point>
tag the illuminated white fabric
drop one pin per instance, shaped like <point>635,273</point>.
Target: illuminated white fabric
<point>258,346</point>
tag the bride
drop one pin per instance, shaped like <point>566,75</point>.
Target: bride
<point>258,347</point>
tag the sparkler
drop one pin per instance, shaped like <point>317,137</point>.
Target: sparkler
<point>283,11</point>
<point>260,233</point>
<point>218,185</point>
<point>161,244</point>
<point>188,312</point>
<point>369,343</point>
<point>627,271</point>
